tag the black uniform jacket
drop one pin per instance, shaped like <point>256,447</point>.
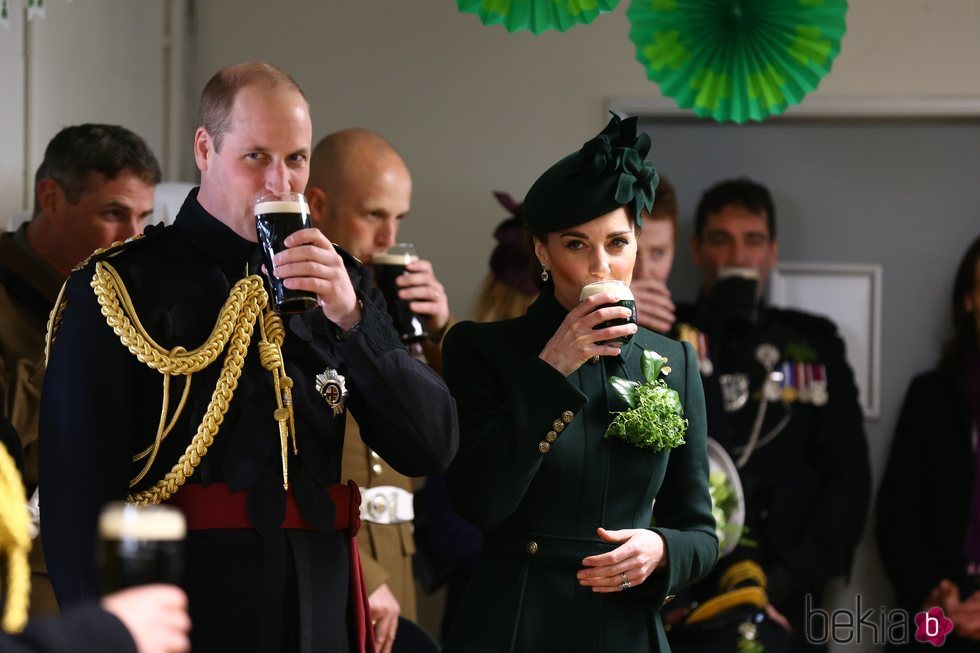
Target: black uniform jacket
<point>540,503</point>
<point>808,481</point>
<point>247,587</point>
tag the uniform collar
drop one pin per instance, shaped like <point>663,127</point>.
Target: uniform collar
<point>229,250</point>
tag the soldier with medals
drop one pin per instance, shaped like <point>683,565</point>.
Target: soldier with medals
<point>782,401</point>
<point>171,379</point>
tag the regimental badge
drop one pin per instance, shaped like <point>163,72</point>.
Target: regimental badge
<point>734,390</point>
<point>332,387</point>
<point>767,355</point>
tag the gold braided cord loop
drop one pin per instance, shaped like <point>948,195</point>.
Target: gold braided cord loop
<point>15,544</point>
<point>58,311</point>
<point>54,322</point>
<point>233,328</point>
<point>124,322</point>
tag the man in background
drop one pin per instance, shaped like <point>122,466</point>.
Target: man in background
<point>94,186</point>
<point>782,401</point>
<point>360,191</point>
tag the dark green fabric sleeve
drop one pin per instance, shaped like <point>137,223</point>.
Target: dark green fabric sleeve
<point>501,423</point>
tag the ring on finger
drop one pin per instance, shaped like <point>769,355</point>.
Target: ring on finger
<point>625,585</point>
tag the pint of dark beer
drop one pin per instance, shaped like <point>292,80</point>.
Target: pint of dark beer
<point>734,297</point>
<point>139,546</point>
<point>276,216</point>
<point>388,266</point>
<point>625,295</point>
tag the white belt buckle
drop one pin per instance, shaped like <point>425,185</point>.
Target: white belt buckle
<point>386,504</point>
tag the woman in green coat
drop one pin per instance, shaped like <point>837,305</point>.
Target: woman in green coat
<point>570,561</point>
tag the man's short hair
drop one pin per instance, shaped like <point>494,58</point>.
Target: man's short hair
<point>741,192</point>
<point>78,152</point>
<point>218,96</point>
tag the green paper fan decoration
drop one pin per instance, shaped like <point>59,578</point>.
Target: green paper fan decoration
<point>737,60</point>
<point>536,15</point>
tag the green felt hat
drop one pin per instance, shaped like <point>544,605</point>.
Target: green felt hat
<point>609,171</point>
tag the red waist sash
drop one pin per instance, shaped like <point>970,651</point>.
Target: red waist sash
<point>213,506</point>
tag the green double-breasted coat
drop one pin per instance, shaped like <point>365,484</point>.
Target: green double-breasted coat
<point>536,474</point>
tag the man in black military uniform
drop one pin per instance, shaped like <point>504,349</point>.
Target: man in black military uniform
<point>782,401</point>
<point>250,450</point>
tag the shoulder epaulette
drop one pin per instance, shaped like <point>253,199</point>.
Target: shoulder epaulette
<point>54,319</point>
<point>120,246</point>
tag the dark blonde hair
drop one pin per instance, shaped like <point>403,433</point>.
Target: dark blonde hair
<point>218,96</point>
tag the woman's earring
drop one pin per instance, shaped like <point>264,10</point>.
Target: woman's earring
<point>544,273</point>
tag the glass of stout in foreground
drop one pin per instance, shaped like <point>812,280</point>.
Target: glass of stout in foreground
<point>276,216</point>
<point>389,264</point>
<point>625,295</point>
<point>140,546</point>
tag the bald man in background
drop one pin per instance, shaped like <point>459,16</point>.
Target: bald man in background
<point>359,192</point>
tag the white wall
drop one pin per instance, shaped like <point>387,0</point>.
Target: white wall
<point>91,61</point>
<point>12,118</point>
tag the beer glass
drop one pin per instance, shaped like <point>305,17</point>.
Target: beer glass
<point>276,216</point>
<point>625,295</point>
<point>735,296</point>
<point>390,264</point>
<point>140,545</point>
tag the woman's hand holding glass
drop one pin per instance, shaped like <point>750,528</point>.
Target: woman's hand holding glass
<point>640,553</point>
<point>576,341</point>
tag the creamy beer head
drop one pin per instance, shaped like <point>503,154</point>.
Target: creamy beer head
<point>619,289</point>
<point>724,272</point>
<point>140,546</point>
<point>124,521</point>
<point>389,264</point>
<point>396,258</point>
<point>264,206</point>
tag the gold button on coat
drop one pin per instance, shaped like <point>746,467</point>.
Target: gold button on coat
<point>567,416</point>
<point>531,547</point>
<point>544,447</point>
<point>558,425</point>
<point>551,436</point>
